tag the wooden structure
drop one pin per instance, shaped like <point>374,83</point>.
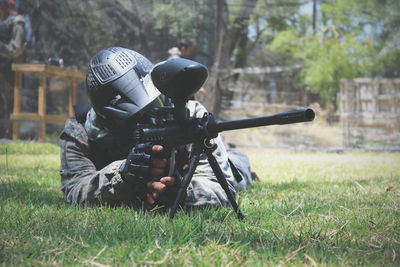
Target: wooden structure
<point>370,113</point>
<point>266,85</point>
<point>43,72</point>
<point>259,91</point>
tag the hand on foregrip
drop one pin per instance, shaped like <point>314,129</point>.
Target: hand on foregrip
<point>160,184</point>
<point>146,169</point>
<point>138,163</point>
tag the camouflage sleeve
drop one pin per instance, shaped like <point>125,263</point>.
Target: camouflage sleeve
<point>15,47</point>
<point>204,188</point>
<point>81,182</point>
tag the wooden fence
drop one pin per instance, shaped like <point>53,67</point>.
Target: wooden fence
<point>44,72</point>
<point>370,113</point>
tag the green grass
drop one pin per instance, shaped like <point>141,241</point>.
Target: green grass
<point>308,208</point>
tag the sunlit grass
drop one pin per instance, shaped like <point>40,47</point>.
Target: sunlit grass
<point>308,208</point>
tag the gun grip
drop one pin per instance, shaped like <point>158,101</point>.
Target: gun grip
<point>172,163</point>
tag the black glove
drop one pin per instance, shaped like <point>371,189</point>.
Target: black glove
<point>136,168</point>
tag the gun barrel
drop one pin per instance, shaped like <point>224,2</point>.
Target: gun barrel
<point>294,116</point>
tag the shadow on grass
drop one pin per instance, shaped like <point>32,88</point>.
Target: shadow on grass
<point>36,194</point>
<point>30,193</point>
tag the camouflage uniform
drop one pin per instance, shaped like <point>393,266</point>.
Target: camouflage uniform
<point>90,171</point>
<point>12,39</point>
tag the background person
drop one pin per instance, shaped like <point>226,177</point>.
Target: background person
<point>184,49</point>
<point>12,39</point>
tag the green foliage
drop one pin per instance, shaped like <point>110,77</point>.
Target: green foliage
<point>332,60</point>
<point>308,208</point>
<point>182,22</point>
<point>325,60</point>
<point>271,17</point>
<point>76,30</point>
<point>286,42</point>
<point>389,63</point>
<point>373,17</point>
<point>353,38</point>
<point>352,41</point>
<point>178,19</point>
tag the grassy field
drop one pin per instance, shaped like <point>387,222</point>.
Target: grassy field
<point>309,208</point>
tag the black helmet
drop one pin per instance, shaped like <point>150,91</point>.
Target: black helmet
<point>119,85</point>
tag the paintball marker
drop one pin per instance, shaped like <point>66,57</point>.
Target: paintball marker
<point>172,127</point>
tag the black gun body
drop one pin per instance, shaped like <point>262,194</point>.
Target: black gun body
<point>179,79</point>
<point>172,134</point>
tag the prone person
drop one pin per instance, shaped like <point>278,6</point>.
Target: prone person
<point>101,164</point>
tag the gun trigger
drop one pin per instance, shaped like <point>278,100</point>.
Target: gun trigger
<point>172,163</point>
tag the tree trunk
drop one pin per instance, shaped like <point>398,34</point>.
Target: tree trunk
<point>314,17</point>
<point>210,99</point>
<point>226,42</point>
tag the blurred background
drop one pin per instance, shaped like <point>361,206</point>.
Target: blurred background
<point>339,57</point>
